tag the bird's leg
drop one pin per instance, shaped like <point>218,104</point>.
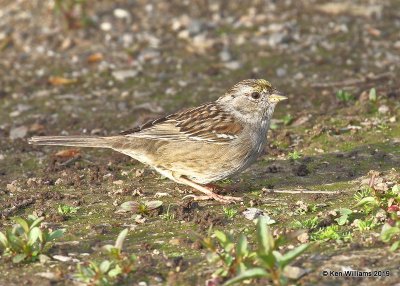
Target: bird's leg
<point>208,191</point>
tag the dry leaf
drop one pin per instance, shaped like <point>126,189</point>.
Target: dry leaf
<point>67,153</point>
<point>58,80</point>
<point>94,58</point>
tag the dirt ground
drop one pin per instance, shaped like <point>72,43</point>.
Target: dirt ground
<point>116,64</point>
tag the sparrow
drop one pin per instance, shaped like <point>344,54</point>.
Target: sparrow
<point>199,145</point>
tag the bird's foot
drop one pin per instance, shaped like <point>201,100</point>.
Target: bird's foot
<point>219,198</point>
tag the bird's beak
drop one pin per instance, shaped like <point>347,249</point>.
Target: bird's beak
<point>277,96</point>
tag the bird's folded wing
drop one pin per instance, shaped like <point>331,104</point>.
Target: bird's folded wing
<point>208,122</point>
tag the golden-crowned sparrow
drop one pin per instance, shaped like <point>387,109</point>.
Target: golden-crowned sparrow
<point>198,145</point>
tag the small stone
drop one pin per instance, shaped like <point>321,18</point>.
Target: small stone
<point>58,182</point>
<point>233,65</point>
<point>122,75</point>
<point>118,182</point>
<point>1,157</point>
<point>121,13</point>
<point>293,272</point>
<point>280,72</point>
<point>391,120</point>
<point>383,109</point>
<point>303,238</point>
<point>18,132</point>
<point>225,56</point>
<point>13,187</point>
<point>105,26</point>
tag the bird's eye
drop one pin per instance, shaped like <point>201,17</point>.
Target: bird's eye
<point>255,95</point>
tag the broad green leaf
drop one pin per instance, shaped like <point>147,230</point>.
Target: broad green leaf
<point>105,266</point>
<point>342,220</point>
<point>15,242</point>
<point>115,272</point>
<point>264,236</point>
<point>365,201</point>
<point>37,222</point>
<point>151,205</point>
<point>248,274</point>
<point>221,236</point>
<point>395,246</point>
<point>22,223</point>
<point>3,240</point>
<point>388,232</point>
<point>241,248</point>
<point>372,94</point>
<point>34,235</point>
<point>19,257</point>
<point>56,234</point>
<point>345,211</point>
<point>292,254</point>
<point>121,237</point>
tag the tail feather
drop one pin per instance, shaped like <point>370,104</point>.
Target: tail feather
<point>74,141</point>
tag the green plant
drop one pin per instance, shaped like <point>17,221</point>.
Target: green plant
<point>287,119</point>
<point>73,11</point>
<point>372,94</point>
<point>344,96</point>
<point>344,216</point>
<point>331,233</point>
<point>229,212</point>
<point>66,209</point>
<point>376,200</point>
<point>237,260</point>
<point>106,272</point>
<point>310,223</point>
<point>294,155</point>
<point>26,241</point>
<point>367,224</point>
<point>390,233</point>
<point>168,215</point>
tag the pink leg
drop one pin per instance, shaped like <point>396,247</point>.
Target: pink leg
<point>208,191</point>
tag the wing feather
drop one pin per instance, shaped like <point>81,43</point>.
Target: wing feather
<point>208,122</point>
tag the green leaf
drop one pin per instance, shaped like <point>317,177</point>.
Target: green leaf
<point>121,237</point>
<point>293,254</point>
<point>105,266</point>
<point>56,234</point>
<point>388,232</point>
<point>264,236</point>
<point>115,272</point>
<point>22,223</point>
<point>34,234</point>
<point>372,94</point>
<point>221,236</point>
<point>248,274</point>
<point>395,246</point>
<point>3,240</point>
<point>241,248</point>
<point>365,201</point>
<point>37,222</point>
<point>345,211</point>
<point>19,257</point>
<point>342,220</point>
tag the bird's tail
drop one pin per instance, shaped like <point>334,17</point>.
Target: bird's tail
<point>75,141</point>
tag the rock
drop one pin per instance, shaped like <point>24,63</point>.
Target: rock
<point>122,75</point>
<point>293,272</point>
<point>105,26</point>
<point>121,13</point>
<point>18,132</point>
<point>303,238</point>
<point>280,72</point>
<point>225,56</point>
<point>383,109</point>
<point>233,65</point>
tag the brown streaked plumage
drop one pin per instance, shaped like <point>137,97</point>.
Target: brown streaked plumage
<point>198,145</point>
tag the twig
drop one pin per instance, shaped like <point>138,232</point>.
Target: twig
<point>301,191</point>
<point>349,82</point>
<point>7,212</point>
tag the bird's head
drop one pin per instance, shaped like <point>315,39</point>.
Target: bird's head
<point>252,99</point>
